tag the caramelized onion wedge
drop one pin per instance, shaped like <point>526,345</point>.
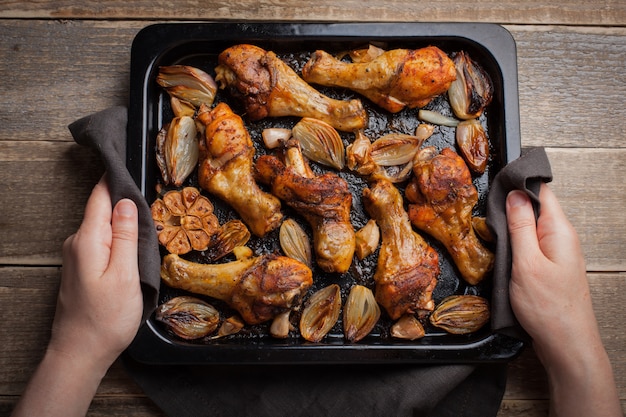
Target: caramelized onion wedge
<point>473,144</point>
<point>188,317</point>
<point>320,142</point>
<point>188,84</point>
<point>360,314</point>
<point>177,150</point>
<point>461,314</point>
<point>294,242</point>
<point>395,149</point>
<point>321,313</point>
<point>472,90</point>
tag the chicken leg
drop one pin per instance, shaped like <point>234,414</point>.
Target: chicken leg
<point>225,169</point>
<point>443,197</point>
<point>396,79</point>
<point>407,269</point>
<point>259,288</point>
<point>324,201</point>
<point>269,87</point>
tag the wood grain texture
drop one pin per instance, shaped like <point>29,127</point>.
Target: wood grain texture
<point>578,12</point>
<point>61,60</point>
<point>571,80</point>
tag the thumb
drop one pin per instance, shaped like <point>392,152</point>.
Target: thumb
<point>124,227</point>
<point>521,222</point>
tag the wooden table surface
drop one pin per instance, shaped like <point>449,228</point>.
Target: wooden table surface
<point>61,60</point>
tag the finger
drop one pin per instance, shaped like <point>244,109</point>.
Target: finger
<point>125,231</point>
<point>98,209</point>
<point>521,223</point>
<point>554,230</point>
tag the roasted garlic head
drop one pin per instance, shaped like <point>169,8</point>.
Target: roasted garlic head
<point>184,220</point>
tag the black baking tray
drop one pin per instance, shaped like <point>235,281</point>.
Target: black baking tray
<point>198,44</point>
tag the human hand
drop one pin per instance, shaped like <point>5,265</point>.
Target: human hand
<point>99,305</point>
<point>549,290</point>
<point>550,297</point>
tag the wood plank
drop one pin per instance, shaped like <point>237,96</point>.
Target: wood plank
<point>572,80</point>
<point>586,181</point>
<point>578,12</point>
<point>48,184</point>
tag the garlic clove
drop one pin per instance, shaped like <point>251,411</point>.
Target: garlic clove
<point>366,54</point>
<point>280,325</point>
<point>232,325</point>
<point>273,137</point>
<point>367,239</point>
<point>408,327</point>
<point>188,317</point>
<point>436,118</point>
<point>182,108</point>
<point>320,142</point>
<point>294,242</point>
<point>320,313</point>
<point>360,314</point>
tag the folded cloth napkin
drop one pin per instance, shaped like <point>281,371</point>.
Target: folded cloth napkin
<point>304,390</point>
<point>105,132</point>
<point>525,173</point>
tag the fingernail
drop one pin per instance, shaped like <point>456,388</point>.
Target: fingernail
<point>126,208</point>
<point>517,198</point>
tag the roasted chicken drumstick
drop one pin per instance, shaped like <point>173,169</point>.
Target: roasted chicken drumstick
<point>407,269</point>
<point>259,288</point>
<point>396,79</point>
<point>225,169</point>
<point>269,87</point>
<point>324,201</point>
<point>442,197</point>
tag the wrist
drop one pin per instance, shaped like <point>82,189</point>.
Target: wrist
<point>79,361</point>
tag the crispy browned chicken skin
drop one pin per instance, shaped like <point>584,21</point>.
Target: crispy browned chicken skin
<point>396,79</point>
<point>259,288</point>
<point>324,201</point>
<point>407,269</point>
<point>443,197</point>
<point>269,87</point>
<point>225,169</point>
